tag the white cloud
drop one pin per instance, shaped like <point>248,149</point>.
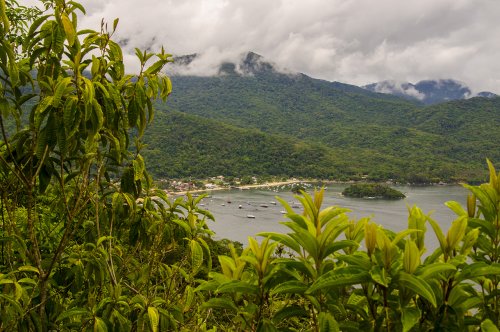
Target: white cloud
<point>353,41</point>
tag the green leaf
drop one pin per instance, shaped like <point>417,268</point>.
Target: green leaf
<point>69,30</point>
<point>155,67</point>
<point>282,238</point>
<point>100,325</point>
<point>456,207</point>
<point>418,285</point>
<point>341,277</point>
<point>439,234</point>
<point>73,312</point>
<point>288,312</point>
<point>18,293</point>
<point>28,268</point>
<point>410,316</point>
<point>290,287</point>
<point>479,269</point>
<point>154,318</point>
<point>327,323</point>
<point>196,256</point>
<point>103,238</point>
<point>219,303</point>
<point>429,271</point>
<point>379,276</point>
<point>488,326</point>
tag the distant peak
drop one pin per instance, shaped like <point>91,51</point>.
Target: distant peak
<point>427,91</point>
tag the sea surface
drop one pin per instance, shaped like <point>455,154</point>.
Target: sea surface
<point>232,208</point>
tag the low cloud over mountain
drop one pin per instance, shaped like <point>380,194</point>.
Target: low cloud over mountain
<point>427,91</point>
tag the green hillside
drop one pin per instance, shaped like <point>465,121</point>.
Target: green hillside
<point>355,131</point>
<point>182,145</point>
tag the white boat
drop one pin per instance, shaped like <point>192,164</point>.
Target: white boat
<point>251,216</point>
<point>264,205</point>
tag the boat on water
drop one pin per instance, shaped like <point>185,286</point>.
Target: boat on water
<point>264,205</point>
<point>272,202</point>
<point>251,216</point>
<point>240,206</point>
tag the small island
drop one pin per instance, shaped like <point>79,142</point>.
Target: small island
<point>372,190</point>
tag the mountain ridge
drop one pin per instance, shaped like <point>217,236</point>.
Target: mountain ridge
<point>383,136</point>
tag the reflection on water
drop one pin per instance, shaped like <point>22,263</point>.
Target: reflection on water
<point>231,209</point>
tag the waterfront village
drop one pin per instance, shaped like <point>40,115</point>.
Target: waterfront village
<point>220,182</point>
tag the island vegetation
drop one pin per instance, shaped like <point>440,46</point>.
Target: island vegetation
<point>372,190</point>
<point>88,243</point>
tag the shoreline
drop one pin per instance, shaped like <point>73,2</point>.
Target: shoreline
<point>288,182</point>
<point>243,187</point>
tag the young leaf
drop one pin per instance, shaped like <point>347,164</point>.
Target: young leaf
<point>154,318</point>
<point>69,30</point>
<point>418,285</point>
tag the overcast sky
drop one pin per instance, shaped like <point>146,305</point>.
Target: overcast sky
<point>351,41</point>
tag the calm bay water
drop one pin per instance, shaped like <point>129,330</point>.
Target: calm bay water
<point>232,222</point>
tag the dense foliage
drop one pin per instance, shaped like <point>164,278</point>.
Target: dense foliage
<point>397,139</point>
<point>86,242</point>
<point>372,190</point>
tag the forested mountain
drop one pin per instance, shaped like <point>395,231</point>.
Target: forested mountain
<point>377,134</point>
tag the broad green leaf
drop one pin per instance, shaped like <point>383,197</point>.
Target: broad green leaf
<point>358,259</point>
<point>18,293</point>
<point>430,271</point>
<point>282,238</point>
<point>27,281</point>
<point>341,277</point>
<point>409,317</point>
<point>100,325</point>
<point>69,30</point>
<point>103,238</point>
<point>456,232</point>
<point>73,312</point>
<point>28,268</point>
<point>196,255</point>
<point>411,256</point>
<point>290,287</point>
<point>155,67</point>
<point>493,174</point>
<point>456,207</point>
<point>219,303</point>
<point>401,235</point>
<point>439,234</point>
<point>339,245</point>
<point>418,285</point>
<point>290,311</point>
<point>488,326</point>
<point>327,323</point>
<point>476,270</point>
<point>154,318</point>
<point>379,275</point>
<point>485,226</point>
